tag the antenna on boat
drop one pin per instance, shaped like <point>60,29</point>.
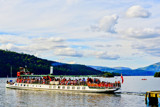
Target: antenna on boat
<point>25,68</point>
<point>11,72</point>
<point>7,77</point>
<point>51,69</point>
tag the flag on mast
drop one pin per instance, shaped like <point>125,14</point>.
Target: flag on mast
<point>122,78</point>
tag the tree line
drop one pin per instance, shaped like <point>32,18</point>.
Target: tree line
<point>157,74</point>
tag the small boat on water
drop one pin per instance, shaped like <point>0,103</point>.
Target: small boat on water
<point>143,79</point>
<point>89,83</point>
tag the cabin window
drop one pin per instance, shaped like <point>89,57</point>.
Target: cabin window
<point>27,85</point>
<point>78,87</point>
<point>68,87</point>
<point>54,86</point>
<point>83,88</point>
<point>63,87</point>
<point>73,87</point>
<point>40,86</point>
<point>32,85</point>
<point>58,87</point>
<point>24,85</point>
<point>15,84</point>
<point>21,84</point>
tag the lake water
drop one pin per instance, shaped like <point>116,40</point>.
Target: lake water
<point>132,94</point>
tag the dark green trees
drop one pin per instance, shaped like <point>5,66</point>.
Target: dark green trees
<point>38,65</point>
<point>157,74</point>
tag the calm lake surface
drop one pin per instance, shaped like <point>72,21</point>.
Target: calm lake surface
<point>131,95</point>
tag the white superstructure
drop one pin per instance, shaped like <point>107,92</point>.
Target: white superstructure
<point>79,88</point>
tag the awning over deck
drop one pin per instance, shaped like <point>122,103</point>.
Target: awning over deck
<point>59,75</point>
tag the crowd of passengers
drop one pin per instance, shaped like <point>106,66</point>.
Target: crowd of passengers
<point>91,82</point>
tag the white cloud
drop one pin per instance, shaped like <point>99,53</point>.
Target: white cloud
<point>9,46</point>
<point>49,39</point>
<point>106,24</point>
<point>4,39</point>
<point>31,45</point>
<point>7,38</point>
<point>47,44</point>
<point>148,46</point>
<point>68,52</point>
<point>106,56</point>
<point>145,33</point>
<point>151,48</point>
<point>137,11</point>
<point>33,16</point>
<point>71,2</point>
<point>40,46</point>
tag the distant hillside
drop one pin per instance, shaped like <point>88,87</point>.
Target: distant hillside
<point>122,68</point>
<point>154,67</point>
<point>125,71</point>
<point>104,69</point>
<point>38,65</point>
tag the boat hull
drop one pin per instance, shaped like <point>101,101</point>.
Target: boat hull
<point>78,88</point>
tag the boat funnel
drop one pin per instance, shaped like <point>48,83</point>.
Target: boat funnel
<point>51,69</point>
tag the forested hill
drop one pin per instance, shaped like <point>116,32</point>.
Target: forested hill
<point>36,65</point>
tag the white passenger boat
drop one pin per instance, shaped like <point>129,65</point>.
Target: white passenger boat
<point>89,83</point>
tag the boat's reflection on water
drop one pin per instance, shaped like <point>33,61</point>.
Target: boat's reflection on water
<point>60,98</point>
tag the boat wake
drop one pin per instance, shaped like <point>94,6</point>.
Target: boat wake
<point>131,93</point>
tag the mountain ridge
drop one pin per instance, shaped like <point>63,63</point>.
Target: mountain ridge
<point>153,67</point>
<point>125,71</point>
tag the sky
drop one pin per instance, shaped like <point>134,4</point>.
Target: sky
<point>111,33</point>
